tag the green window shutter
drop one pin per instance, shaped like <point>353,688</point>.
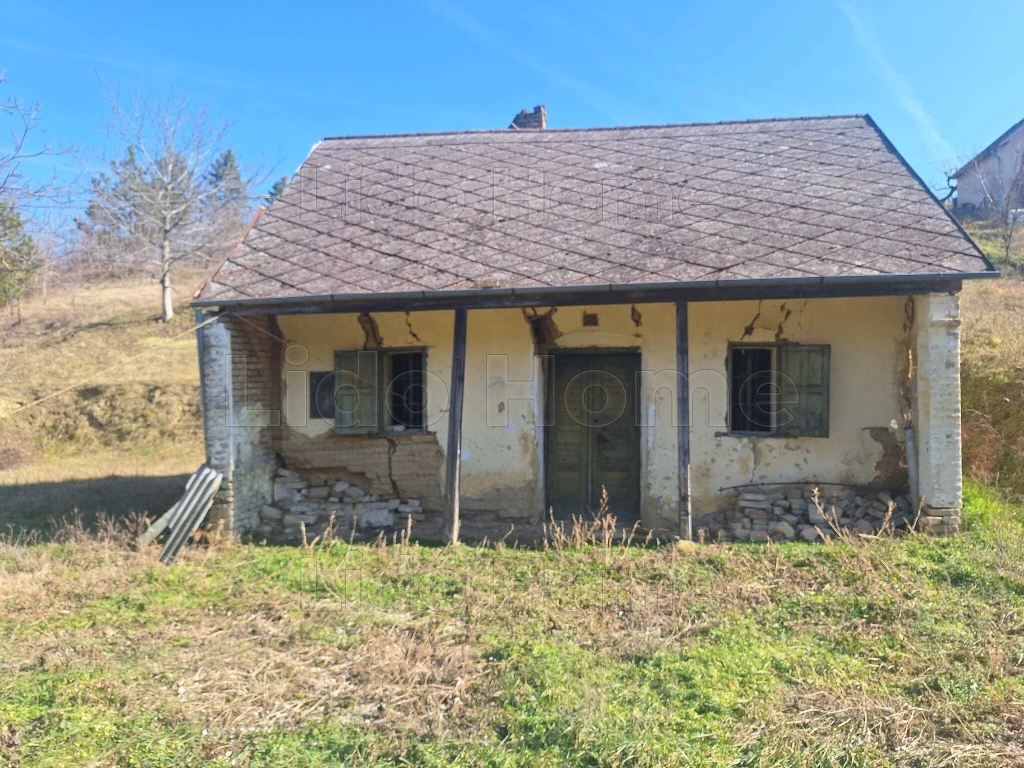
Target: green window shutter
<point>356,394</point>
<point>804,384</point>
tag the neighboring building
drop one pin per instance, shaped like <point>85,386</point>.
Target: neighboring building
<point>994,172</point>
<point>530,295</point>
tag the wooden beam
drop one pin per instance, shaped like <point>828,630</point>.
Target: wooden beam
<point>683,417</point>
<point>453,460</point>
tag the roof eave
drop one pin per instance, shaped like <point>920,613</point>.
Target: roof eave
<point>696,290</point>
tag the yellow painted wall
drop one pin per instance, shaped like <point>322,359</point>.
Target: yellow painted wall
<point>869,339</point>
<point>502,463</point>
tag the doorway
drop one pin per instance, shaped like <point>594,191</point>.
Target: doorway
<point>593,441</point>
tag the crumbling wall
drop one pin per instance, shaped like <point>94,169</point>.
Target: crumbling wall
<point>504,410</point>
<point>401,466</point>
<point>806,511</point>
<point>240,404</point>
<point>398,464</point>
<point>306,506</point>
<point>504,407</point>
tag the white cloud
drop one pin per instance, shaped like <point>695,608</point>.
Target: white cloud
<point>591,96</point>
<point>898,85</point>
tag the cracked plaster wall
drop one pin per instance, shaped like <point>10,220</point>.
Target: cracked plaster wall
<point>502,469</point>
<point>502,445</point>
<point>869,339</point>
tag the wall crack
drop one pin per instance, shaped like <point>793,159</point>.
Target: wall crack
<point>371,331</point>
<point>392,447</point>
<point>785,317</point>
<point>408,324</point>
<point>749,330</point>
<point>542,327</point>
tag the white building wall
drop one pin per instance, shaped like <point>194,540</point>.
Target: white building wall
<point>991,175</point>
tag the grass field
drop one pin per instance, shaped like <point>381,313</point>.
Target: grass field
<point>892,652</point>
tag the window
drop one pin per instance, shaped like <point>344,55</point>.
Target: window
<point>751,389</point>
<point>321,395</point>
<point>379,391</point>
<point>779,389</point>
<point>407,393</point>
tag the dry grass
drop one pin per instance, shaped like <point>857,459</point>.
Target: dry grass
<point>77,330</point>
<point>107,482</point>
<point>993,383</point>
<point>117,444</point>
<point>867,652</point>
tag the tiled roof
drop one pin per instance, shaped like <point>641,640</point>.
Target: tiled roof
<point>556,208</point>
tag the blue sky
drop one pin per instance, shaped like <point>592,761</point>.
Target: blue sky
<point>941,78</point>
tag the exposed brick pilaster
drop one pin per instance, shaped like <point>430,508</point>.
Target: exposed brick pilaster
<point>240,402</point>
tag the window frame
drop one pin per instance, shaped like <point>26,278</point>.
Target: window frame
<point>777,356</point>
<point>384,418</point>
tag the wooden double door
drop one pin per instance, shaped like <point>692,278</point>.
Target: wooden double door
<point>593,437</point>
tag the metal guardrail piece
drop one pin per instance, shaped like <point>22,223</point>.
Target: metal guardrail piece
<point>160,525</point>
<point>191,514</point>
<point>187,514</point>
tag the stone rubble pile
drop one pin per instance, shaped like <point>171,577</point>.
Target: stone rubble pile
<point>297,503</point>
<point>790,513</point>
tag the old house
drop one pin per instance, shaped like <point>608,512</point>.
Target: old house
<point>995,176</point>
<point>493,326</point>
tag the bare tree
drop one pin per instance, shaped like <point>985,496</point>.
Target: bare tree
<point>24,145</point>
<point>23,120</point>
<point>173,193</point>
<point>1002,195</point>
<point>55,241</point>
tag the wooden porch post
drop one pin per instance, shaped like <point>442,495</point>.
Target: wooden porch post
<point>453,459</point>
<point>683,417</point>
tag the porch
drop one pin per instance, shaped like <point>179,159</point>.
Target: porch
<point>501,437</point>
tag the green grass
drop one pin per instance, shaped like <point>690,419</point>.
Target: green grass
<point>898,652</point>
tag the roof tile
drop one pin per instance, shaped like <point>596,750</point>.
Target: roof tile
<point>435,212</point>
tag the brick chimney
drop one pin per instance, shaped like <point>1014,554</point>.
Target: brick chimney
<point>538,119</point>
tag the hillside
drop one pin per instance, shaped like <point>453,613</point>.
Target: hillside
<point>993,384</point>
<point>992,370</point>
<point>123,440</point>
